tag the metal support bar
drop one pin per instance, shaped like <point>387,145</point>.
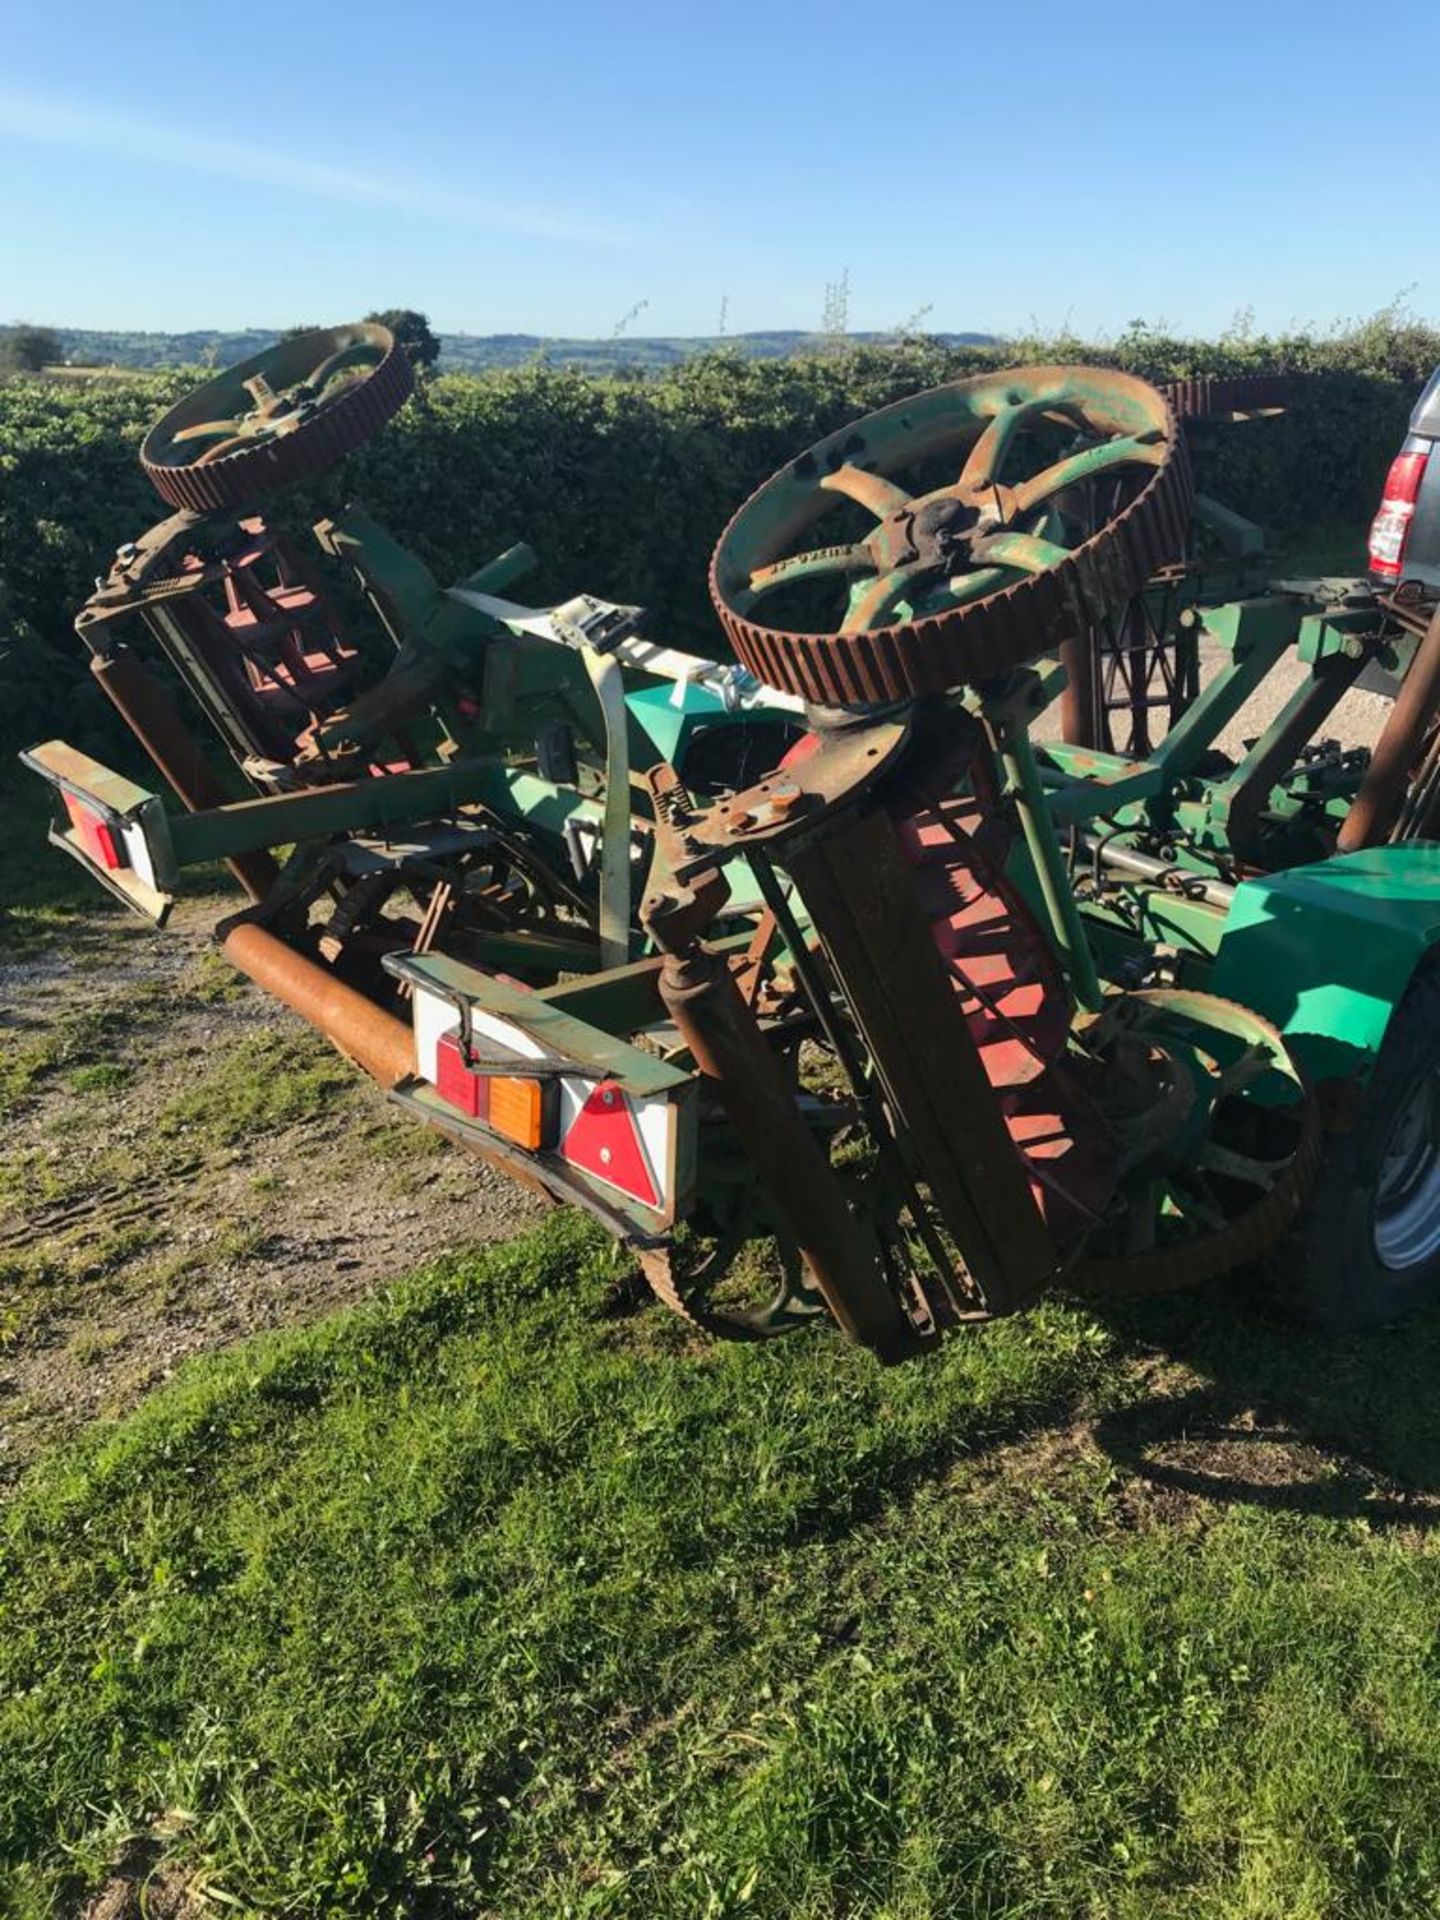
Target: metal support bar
<point>609,684</point>
<point>191,659</point>
<point>375,1040</point>
<point>1238,802</point>
<point>277,819</point>
<point>1369,820</point>
<point>1264,630</point>
<point>1077,698</point>
<point>1017,756</point>
<point>729,1049</point>
<point>809,968</point>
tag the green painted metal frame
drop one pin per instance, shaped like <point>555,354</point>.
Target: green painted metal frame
<point>1327,951</point>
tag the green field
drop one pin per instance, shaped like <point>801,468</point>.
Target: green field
<point>500,1596</point>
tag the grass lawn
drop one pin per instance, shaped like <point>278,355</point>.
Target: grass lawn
<point>490,1597</point>
<point>498,1597</point>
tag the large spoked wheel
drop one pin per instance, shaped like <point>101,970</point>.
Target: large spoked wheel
<point>970,565</point>
<point>1368,1250</point>
<point>284,415</point>
<point>1218,1134</point>
<point>739,1277</point>
<point>691,1290</point>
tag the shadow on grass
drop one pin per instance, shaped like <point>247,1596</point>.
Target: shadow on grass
<point>1282,1418</point>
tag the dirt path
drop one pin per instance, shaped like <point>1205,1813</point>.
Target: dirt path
<point>183,1163</point>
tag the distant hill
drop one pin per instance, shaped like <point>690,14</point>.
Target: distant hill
<point>469,352</point>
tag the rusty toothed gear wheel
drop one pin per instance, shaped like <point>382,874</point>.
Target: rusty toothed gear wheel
<point>284,415</point>
<point>1209,396</point>
<point>970,577</point>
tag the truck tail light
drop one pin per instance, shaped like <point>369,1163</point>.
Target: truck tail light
<point>1390,528</point>
<point>116,830</point>
<point>590,1129</point>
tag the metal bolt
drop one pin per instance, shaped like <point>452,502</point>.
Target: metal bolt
<point>604,1156</point>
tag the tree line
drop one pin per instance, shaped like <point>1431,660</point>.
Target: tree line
<point>623,486</point>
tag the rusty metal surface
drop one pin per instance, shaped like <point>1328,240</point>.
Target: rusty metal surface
<point>731,1053</point>
<point>1010,988</point>
<point>365,1033</point>
<point>247,624</point>
<point>1258,1228</point>
<point>919,916</point>
<point>1219,396</point>
<point>861,897</point>
<point>996,1131</point>
<point>1078,695</point>
<point>1149,662</point>
<point>1382,791</point>
<point>1276,750</point>
<point>1410,605</point>
<point>824,770</point>
<point>143,705</point>
<point>987,636</point>
<point>685,1290</point>
<point>282,426</point>
<point>1140,662</point>
<point>148,568</point>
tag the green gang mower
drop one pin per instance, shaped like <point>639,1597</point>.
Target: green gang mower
<point>845,970</point>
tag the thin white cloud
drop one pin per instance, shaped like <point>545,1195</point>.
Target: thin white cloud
<point>50,121</point>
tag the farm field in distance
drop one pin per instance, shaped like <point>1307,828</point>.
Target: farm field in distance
<point>448,1576</point>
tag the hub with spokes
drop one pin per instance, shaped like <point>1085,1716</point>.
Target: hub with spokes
<point>961,577</point>
<point>287,413</point>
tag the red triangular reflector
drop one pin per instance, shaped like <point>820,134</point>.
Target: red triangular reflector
<point>604,1140</point>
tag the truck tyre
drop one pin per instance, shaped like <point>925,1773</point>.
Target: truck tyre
<point>1367,1247</point>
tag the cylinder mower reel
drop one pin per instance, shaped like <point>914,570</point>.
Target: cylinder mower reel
<point>821,980</point>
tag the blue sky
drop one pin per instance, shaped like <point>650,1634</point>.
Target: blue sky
<point>543,168</point>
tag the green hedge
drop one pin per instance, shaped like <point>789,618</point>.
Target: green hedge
<point>622,485</point>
